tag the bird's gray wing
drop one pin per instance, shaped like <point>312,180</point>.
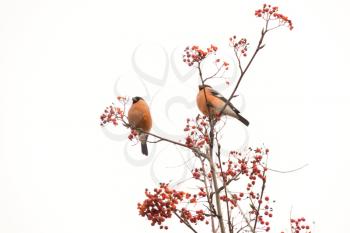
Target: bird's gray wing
<point>218,95</point>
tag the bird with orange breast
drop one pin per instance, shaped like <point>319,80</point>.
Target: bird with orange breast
<point>139,117</point>
<point>215,101</point>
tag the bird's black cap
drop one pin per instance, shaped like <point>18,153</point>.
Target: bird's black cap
<point>200,87</point>
<point>136,98</point>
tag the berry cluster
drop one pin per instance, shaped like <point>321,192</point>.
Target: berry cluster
<point>161,204</point>
<point>197,132</point>
<point>233,200</point>
<point>113,114</point>
<point>110,115</point>
<point>199,173</point>
<point>116,115</point>
<point>269,12</point>
<point>186,215</point>
<point>266,212</point>
<point>240,46</point>
<point>224,64</point>
<point>228,170</point>
<point>195,54</point>
<point>260,205</point>
<point>248,172</point>
<point>248,165</point>
<point>164,201</point>
<point>132,135</point>
<point>298,226</point>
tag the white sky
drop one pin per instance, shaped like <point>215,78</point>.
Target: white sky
<point>60,61</point>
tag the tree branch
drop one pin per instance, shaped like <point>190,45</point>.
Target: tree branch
<point>246,219</point>
<point>210,156</point>
<point>227,183</point>
<point>210,201</point>
<point>195,150</point>
<point>218,154</point>
<point>217,197</point>
<point>257,211</point>
<point>258,48</point>
<point>212,76</point>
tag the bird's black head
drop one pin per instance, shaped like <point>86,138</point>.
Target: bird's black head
<point>200,87</point>
<point>136,98</point>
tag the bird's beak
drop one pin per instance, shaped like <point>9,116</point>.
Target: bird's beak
<point>133,99</point>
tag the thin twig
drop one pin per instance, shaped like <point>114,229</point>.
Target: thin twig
<point>210,156</point>
<point>213,76</point>
<point>227,183</point>
<point>195,150</point>
<point>257,211</point>
<point>218,154</point>
<point>185,222</point>
<point>246,219</point>
<point>258,48</point>
<point>210,201</point>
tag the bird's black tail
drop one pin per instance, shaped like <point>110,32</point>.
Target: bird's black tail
<point>144,148</point>
<point>243,120</point>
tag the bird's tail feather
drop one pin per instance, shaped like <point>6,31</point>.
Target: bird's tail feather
<point>143,139</point>
<point>144,148</point>
<point>243,120</point>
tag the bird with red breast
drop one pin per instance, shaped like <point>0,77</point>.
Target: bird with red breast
<point>140,118</point>
<point>211,101</point>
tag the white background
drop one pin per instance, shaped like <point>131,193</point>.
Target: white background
<point>59,62</point>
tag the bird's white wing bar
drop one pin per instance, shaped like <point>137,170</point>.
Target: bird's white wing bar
<point>217,94</point>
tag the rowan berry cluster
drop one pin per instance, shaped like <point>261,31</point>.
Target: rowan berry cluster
<point>298,225</point>
<point>195,54</point>
<point>132,135</point>
<point>113,114</point>
<point>164,201</point>
<point>198,215</point>
<point>200,173</point>
<point>229,170</point>
<point>262,211</point>
<point>232,200</point>
<point>109,115</point>
<point>160,204</point>
<point>240,46</point>
<point>248,165</point>
<point>255,170</point>
<point>222,64</point>
<point>197,132</point>
<point>269,12</point>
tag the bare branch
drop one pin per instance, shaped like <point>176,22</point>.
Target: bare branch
<point>246,219</point>
<point>213,76</point>
<point>227,183</point>
<point>195,150</point>
<point>218,154</point>
<point>258,48</point>
<point>260,201</point>
<point>210,156</point>
<point>209,198</point>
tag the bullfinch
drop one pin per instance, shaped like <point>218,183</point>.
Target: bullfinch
<point>139,117</point>
<point>215,103</point>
